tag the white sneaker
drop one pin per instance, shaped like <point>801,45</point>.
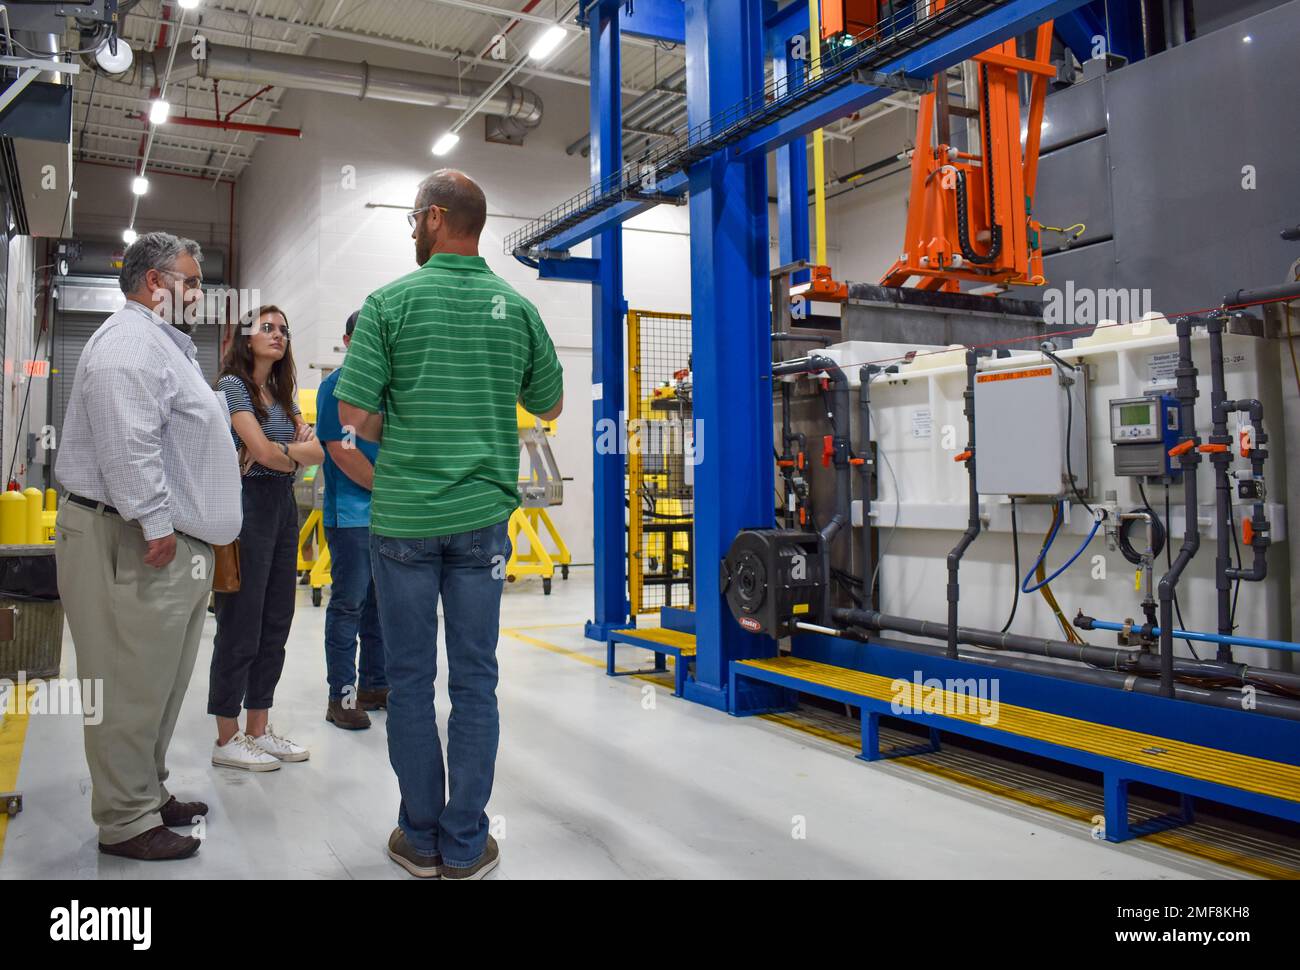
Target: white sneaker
<point>241,752</point>
<point>281,748</point>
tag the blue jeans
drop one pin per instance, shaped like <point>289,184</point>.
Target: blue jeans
<point>467,570</point>
<point>352,611</point>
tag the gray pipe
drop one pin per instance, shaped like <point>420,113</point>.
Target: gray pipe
<point>973,502</point>
<point>1263,704</point>
<point>867,475</point>
<point>364,81</point>
<point>1123,666</point>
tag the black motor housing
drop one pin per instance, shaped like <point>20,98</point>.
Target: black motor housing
<point>773,578</point>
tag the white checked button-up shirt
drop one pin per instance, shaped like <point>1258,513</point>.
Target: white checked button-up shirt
<point>145,433</point>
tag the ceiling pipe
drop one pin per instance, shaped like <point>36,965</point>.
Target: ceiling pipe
<point>363,80</point>
<point>227,126</point>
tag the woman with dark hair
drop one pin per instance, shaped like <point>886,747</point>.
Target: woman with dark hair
<point>259,381</point>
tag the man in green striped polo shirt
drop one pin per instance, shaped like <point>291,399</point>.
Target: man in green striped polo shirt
<point>445,353</point>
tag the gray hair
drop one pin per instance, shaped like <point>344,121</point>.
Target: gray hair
<point>460,195</point>
<point>153,250</point>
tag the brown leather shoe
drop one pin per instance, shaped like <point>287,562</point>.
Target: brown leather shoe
<point>176,813</point>
<point>372,699</point>
<point>155,845</point>
<point>348,718</point>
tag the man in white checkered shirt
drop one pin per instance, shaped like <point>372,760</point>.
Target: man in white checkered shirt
<point>152,484</point>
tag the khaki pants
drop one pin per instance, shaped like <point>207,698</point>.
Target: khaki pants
<point>136,630</point>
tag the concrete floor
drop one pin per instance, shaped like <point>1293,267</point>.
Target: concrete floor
<point>597,778</point>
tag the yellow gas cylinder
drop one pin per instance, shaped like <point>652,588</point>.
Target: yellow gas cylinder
<point>50,516</point>
<point>35,508</point>
<point>13,518</point>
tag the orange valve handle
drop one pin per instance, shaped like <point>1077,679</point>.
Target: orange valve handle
<point>828,451</point>
<point>857,461</point>
<point>966,455</point>
<point>1182,448</point>
<point>1247,532</point>
<point>1211,449</point>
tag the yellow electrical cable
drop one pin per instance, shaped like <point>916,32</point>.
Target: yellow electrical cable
<point>819,146</point>
<point>1041,573</point>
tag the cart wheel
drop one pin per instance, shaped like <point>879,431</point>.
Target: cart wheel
<point>564,572</point>
<point>315,596</point>
<point>546,585</point>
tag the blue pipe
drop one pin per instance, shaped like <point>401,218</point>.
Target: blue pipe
<point>1208,637</point>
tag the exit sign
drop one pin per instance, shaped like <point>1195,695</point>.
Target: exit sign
<point>36,368</point>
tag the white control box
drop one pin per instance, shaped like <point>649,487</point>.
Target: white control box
<point>1021,421</point>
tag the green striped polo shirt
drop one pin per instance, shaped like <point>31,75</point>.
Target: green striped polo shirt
<point>445,353</point>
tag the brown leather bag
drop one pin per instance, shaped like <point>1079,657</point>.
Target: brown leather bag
<point>225,570</point>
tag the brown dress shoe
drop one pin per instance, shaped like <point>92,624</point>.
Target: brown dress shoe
<point>372,698</point>
<point>181,813</point>
<point>155,845</point>
<point>348,718</point>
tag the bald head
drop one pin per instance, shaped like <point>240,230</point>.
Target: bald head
<point>460,196</point>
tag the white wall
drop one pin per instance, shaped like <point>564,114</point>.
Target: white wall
<point>318,242</point>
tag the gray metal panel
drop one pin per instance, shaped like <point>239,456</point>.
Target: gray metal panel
<point>1074,185</point>
<point>1091,267</point>
<point>1073,114</point>
<point>1183,124</point>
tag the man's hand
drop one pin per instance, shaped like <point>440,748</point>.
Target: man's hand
<point>161,551</point>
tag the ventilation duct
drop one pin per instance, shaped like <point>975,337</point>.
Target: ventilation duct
<point>364,81</point>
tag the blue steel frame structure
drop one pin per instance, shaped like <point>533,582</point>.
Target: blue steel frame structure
<point>726,43</point>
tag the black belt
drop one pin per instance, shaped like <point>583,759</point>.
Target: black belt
<point>90,503</point>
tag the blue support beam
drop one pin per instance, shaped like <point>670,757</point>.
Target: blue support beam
<point>1117,22</point>
<point>792,179</point>
<point>607,309</point>
<point>781,25</point>
<point>656,19</point>
<point>573,269</point>
<point>952,48</point>
<point>730,323</point>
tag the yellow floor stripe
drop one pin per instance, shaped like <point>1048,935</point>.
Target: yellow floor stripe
<point>13,733</point>
<point>1174,840</point>
<point>1257,775</point>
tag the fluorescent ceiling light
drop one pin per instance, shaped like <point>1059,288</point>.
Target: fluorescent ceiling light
<point>159,112</point>
<point>140,185</point>
<point>189,4</point>
<point>129,236</point>
<point>545,45</point>
<point>445,143</point>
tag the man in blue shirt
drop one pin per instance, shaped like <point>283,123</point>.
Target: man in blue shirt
<point>349,470</point>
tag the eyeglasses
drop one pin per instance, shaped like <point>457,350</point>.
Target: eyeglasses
<point>415,213</point>
<point>191,282</point>
<point>268,327</point>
